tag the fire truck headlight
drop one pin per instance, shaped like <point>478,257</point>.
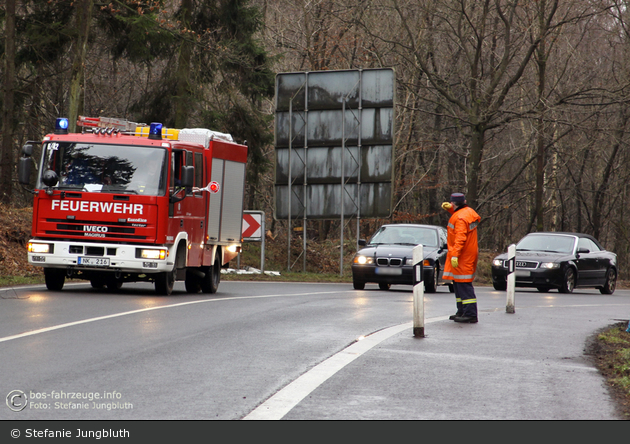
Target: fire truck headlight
<point>34,247</point>
<point>154,254</point>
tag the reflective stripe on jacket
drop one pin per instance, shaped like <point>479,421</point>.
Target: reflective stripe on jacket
<point>462,244</point>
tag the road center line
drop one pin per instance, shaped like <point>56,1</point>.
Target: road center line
<point>143,310</point>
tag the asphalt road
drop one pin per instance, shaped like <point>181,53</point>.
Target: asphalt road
<point>265,350</point>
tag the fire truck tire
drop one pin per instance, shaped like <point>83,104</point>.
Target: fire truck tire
<point>54,278</point>
<point>210,282</point>
<point>114,284</point>
<point>164,282</point>
<point>192,281</point>
<point>97,283</point>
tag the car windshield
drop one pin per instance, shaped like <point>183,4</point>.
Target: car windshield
<point>405,236</point>
<point>105,168</point>
<point>547,243</point>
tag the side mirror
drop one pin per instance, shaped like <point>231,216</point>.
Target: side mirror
<point>24,165</point>
<point>582,250</point>
<point>187,181</point>
<point>362,243</point>
<point>27,149</point>
<point>188,176</point>
<point>24,170</point>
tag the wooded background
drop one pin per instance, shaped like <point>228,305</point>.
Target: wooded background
<point>522,105</point>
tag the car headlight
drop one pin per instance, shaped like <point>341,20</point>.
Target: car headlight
<point>497,262</point>
<point>154,254</point>
<point>363,260</point>
<point>34,247</point>
<point>550,265</point>
<point>425,263</point>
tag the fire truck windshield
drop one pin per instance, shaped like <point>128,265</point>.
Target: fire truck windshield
<point>105,168</point>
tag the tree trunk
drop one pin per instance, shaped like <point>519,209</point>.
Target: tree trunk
<point>84,17</point>
<point>473,165</point>
<point>182,104</point>
<point>6,155</point>
<point>540,139</point>
<point>541,63</point>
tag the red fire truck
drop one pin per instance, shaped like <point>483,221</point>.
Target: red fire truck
<point>127,202</point>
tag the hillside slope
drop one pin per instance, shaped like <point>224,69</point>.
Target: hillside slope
<point>15,231</point>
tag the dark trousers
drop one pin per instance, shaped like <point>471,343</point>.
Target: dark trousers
<point>465,298</point>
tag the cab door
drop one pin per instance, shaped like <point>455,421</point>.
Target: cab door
<point>590,270</point>
<point>186,211</point>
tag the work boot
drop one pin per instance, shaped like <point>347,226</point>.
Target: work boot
<point>466,319</point>
<point>456,315</point>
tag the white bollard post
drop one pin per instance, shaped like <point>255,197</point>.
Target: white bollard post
<point>511,279</point>
<point>418,292</point>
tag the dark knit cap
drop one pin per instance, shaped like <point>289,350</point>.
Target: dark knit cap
<point>458,198</point>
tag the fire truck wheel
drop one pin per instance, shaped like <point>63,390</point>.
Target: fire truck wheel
<point>164,282</point>
<point>192,281</point>
<point>210,282</point>
<point>114,284</point>
<point>55,278</point>
<point>97,283</point>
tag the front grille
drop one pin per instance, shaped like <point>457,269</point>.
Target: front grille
<point>75,249</point>
<point>95,251</point>
<point>389,261</point>
<point>526,264</point>
<point>90,250</point>
<point>96,229</point>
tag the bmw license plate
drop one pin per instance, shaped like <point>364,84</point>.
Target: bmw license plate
<point>388,271</point>
<point>93,261</point>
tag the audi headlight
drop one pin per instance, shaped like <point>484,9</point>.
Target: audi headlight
<point>497,262</point>
<point>363,260</point>
<point>550,265</point>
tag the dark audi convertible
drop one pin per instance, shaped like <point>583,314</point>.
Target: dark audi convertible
<point>563,261</point>
<point>388,257</point>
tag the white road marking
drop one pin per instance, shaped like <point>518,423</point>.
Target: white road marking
<point>142,310</point>
<point>282,402</point>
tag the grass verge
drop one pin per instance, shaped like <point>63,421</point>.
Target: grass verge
<point>13,281</point>
<point>610,350</point>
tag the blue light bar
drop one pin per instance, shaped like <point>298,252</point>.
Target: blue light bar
<point>61,125</point>
<point>155,131</point>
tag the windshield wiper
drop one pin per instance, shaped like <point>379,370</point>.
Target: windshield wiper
<point>120,190</point>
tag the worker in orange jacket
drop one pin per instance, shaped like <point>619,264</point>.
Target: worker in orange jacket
<point>462,256</point>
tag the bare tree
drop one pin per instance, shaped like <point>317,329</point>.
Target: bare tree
<point>83,24</point>
<point>472,54</point>
<point>6,154</point>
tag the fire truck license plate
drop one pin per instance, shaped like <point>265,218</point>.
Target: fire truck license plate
<point>94,261</point>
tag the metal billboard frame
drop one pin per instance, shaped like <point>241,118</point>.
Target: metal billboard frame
<point>294,96</point>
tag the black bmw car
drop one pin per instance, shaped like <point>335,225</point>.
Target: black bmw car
<point>563,261</point>
<point>387,259</point>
